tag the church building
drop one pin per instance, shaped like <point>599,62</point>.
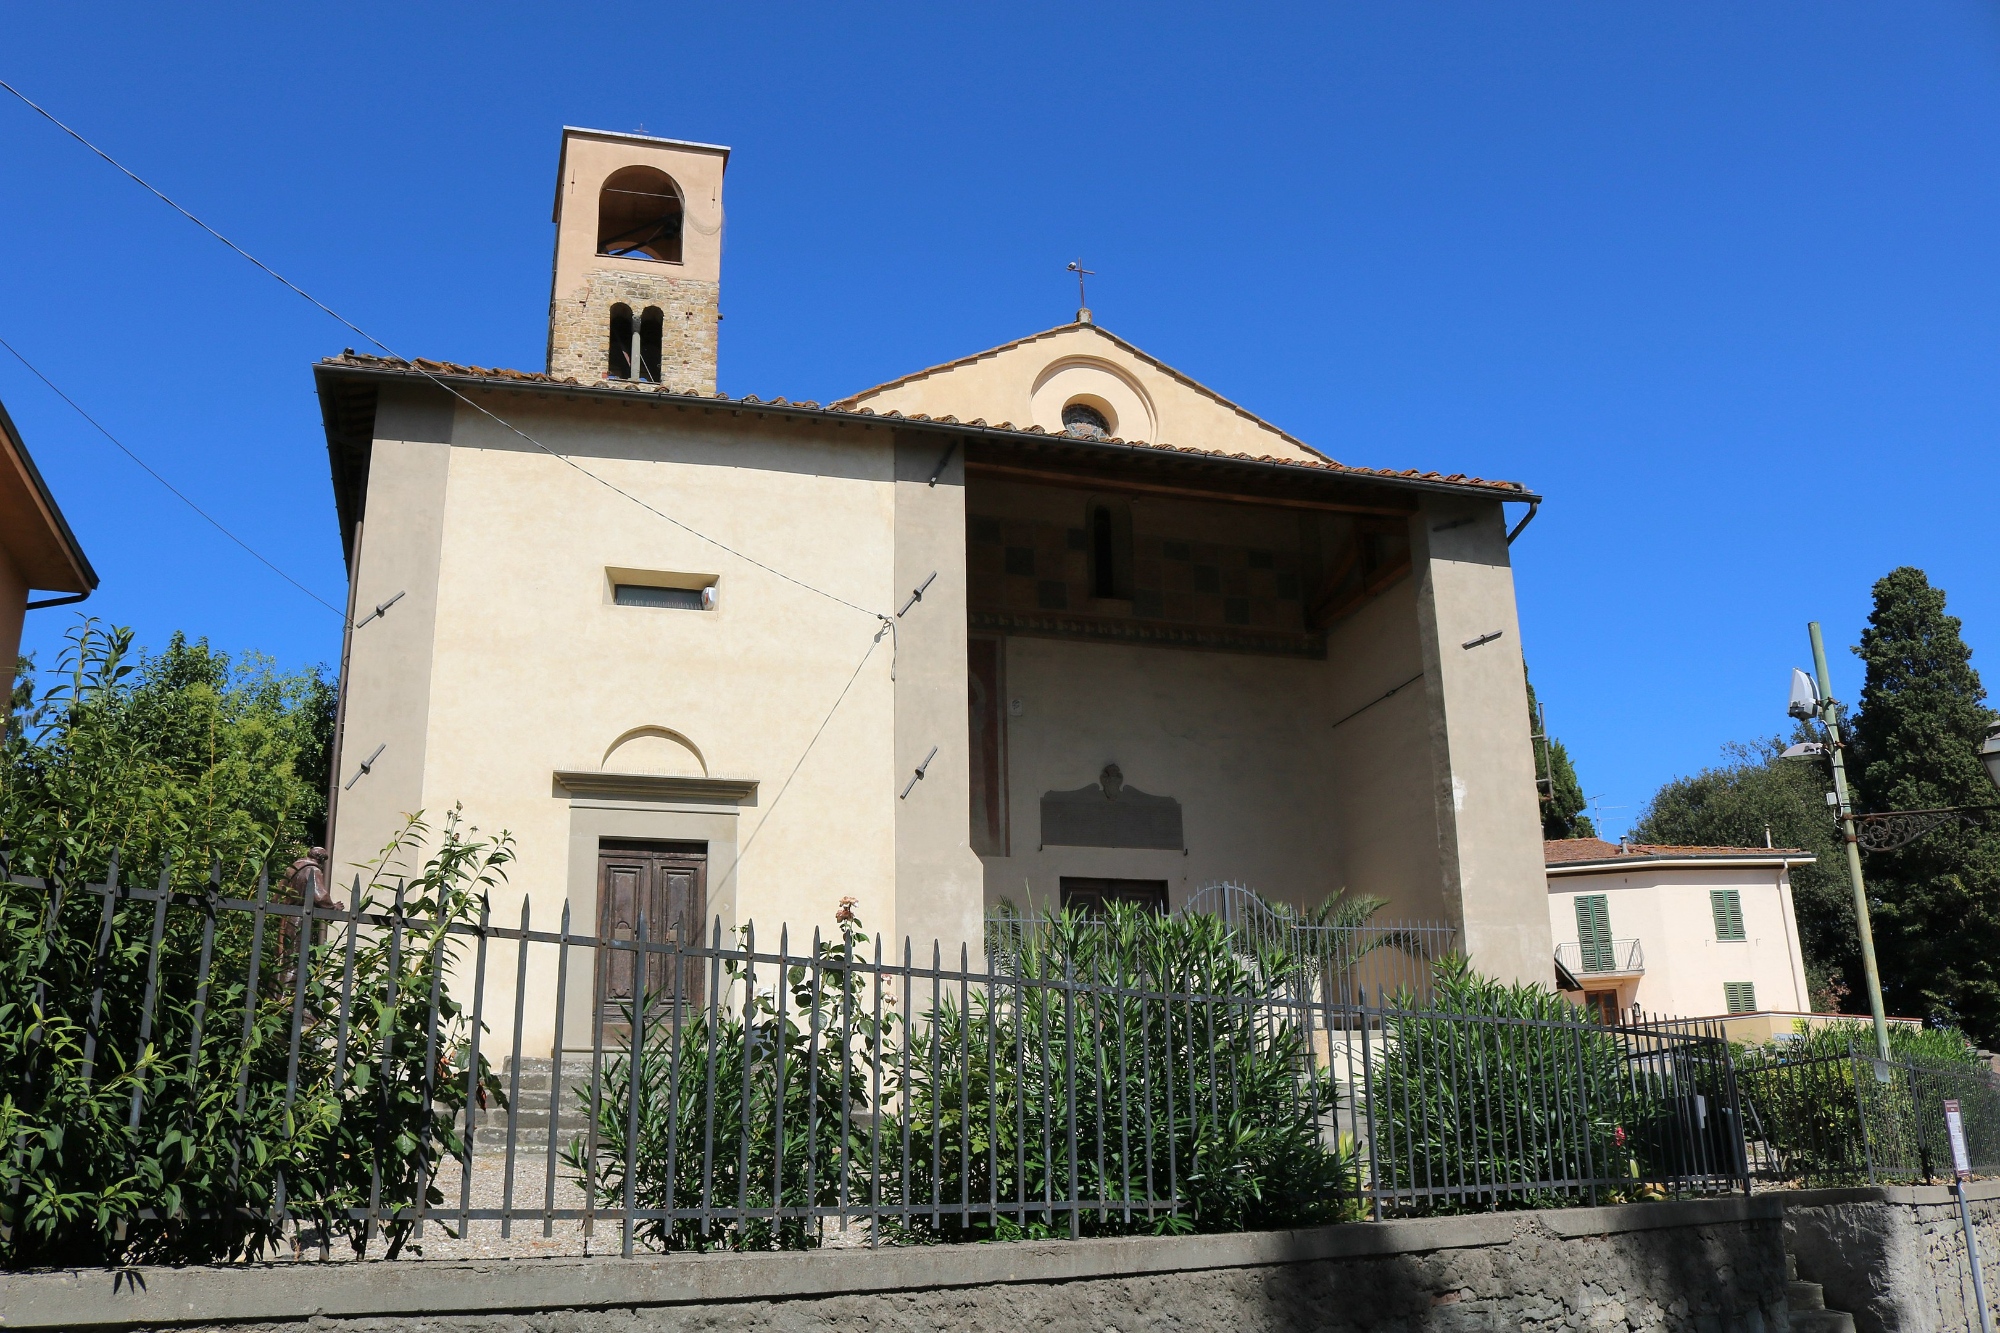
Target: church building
<point>1051,623</point>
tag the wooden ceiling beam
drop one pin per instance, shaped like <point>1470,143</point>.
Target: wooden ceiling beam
<point>1128,486</point>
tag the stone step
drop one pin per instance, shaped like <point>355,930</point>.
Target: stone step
<point>1804,1296</point>
<point>1822,1321</point>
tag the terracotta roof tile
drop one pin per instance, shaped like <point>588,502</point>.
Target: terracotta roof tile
<point>454,370</point>
<point>1565,851</point>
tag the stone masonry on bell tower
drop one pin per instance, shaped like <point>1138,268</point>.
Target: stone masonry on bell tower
<point>638,264</point>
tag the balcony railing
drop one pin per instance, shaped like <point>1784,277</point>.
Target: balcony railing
<point>1615,956</point>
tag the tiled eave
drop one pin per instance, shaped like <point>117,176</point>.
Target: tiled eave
<point>1746,860</point>
<point>348,384</point>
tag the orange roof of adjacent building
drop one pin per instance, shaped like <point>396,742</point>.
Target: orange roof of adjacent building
<point>1568,851</point>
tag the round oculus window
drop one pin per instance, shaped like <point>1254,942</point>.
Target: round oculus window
<point>1085,420</point>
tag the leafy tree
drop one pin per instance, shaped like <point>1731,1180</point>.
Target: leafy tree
<point>1752,793</point>
<point>1564,801</point>
<point>182,754</point>
<point>197,1116</point>
<point>1936,902</point>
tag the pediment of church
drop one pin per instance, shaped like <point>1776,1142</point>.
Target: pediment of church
<point>1031,381</point>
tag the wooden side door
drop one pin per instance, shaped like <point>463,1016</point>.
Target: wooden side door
<point>668,884</point>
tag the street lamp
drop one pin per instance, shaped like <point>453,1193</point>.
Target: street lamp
<point>1812,701</point>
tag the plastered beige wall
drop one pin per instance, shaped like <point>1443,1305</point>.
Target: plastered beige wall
<point>1237,739</point>
<point>938,878</point>
<point>389,667</point>
<point>1668,911</point>
<point>1381,762</point>
<point>1483,780</point>
<point>533,670</point>
<point>1000,386</point>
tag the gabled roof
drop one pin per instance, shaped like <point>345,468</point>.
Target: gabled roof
<point>444,372</point>
<point>855,400</point>
<point>32,528</point>
<point>1576,855</point>
<point>348,384</point>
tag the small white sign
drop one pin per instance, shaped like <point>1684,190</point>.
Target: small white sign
<point>1954,1125</point>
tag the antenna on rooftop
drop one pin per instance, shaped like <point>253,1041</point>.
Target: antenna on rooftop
<point>1083,306</point>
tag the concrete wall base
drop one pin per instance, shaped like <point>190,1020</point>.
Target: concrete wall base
<point>1712,1266</point>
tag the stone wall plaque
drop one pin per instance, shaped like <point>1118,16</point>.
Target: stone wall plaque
<point>1111,814</point>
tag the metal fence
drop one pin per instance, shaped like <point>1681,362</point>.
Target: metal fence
<point>1822,1118</point>
<point>1336,961</point>
<point>358,1073</point>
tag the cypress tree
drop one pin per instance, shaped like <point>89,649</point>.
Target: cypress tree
<point>1563,801</point>
<point>1935,903</point>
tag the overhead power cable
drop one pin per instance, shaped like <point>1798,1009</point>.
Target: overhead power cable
<point>177,492</point>
<point>370,338</point>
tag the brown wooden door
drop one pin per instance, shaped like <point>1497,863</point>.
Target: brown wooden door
<point>1089,895</point>
<point>668,884</point>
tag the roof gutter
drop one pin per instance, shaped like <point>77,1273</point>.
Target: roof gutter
<point>1766,862</point>
<point>1526,519</point>
<point>965,429</point>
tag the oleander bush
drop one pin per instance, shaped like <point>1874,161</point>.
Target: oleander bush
<point>1126,1076</point>
<point>1490,1095</point>
<point>176,1138</point>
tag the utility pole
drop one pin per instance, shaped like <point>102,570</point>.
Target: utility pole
<point>1829,717</point>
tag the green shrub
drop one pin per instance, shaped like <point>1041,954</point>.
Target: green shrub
<point>1220,1089</point>
<point>968,1102</point>
<point>195,1119</point>
<point>1488,1088</point>
<point>1825,1114</point>
<point>721,1087</point>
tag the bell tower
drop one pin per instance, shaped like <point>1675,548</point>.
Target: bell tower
<point>638,266</point>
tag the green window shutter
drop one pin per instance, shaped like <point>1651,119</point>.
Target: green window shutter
<point>1740,996</point>
<point>1727,905</point>
<point>1593,934</point>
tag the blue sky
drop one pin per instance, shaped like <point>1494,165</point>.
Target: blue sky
<point>1719,280</point>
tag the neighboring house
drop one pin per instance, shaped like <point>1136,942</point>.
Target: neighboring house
<point>37,549</point>
<point>1053,623</point>
<point>1683,931</point>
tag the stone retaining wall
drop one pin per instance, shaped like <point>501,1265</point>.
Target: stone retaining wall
<point>1894,1257</point>
<point>1712,1266</point>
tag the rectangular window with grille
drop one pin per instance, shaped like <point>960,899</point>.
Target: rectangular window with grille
<point>1740,996</point>
<point>1593,933</point>
<point>1727,906</point>
<point>673,599</point>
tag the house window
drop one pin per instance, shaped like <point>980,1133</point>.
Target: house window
<point>1593,934</point>
<point>1740,996</point>
<point>673,599</point>
<point>639,215</point>
<point>1602,1006</point>
<point>1727,907</point>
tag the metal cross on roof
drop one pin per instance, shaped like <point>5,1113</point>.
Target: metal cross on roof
<point>1076,267</point>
